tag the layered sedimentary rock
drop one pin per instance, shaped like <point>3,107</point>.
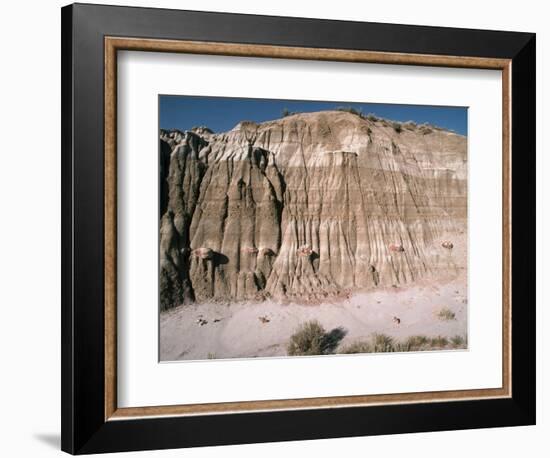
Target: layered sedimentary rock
<point>307,206</point>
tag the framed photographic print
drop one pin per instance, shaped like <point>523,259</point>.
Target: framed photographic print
<point>282,228</point>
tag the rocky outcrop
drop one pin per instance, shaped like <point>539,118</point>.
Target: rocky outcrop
<point>307,206</point>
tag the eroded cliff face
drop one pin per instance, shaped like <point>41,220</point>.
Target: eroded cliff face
<point>307,206</point>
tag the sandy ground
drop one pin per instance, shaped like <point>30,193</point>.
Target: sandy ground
<point>238,330</point>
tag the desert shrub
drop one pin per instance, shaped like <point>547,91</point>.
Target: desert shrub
<point>246,123</point>
<point>377,343</point>
<point>358,347</point>
<point>446,314</point>
<point>414,343</point>
<point>312,339</point>
<point>397,127</point>
<point>352,111</point>
<point>439,342</point>
<point>458,341</point>
<point>308,340</point>
<point>411,125</point>
<point>369,131</point>
<point>286,112</point>
<point>425,129</point>
<point>372,117</point>
<point>382,343</point>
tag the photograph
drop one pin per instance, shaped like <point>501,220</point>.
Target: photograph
<point>306,228</point>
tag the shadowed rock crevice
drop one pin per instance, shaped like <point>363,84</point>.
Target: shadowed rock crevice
<point>164,167</point>
<point>306,207</point>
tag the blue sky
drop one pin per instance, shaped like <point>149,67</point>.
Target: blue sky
<point>223,113</point>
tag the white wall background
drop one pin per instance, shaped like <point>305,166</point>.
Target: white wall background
<point>30,227</point>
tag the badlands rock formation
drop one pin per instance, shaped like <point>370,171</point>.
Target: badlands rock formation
<point>307,206</point>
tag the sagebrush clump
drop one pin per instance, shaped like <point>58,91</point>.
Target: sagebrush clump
<point>308,340</point>
<point>352,110</point>
<point>372,118</point>
<point>446,314</point>
<point>312,339</point>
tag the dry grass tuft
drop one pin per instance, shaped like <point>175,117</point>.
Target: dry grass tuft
<point>382,343</point>
<point>446,314</point>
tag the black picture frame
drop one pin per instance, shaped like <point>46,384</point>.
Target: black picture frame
<point>84,428</point>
